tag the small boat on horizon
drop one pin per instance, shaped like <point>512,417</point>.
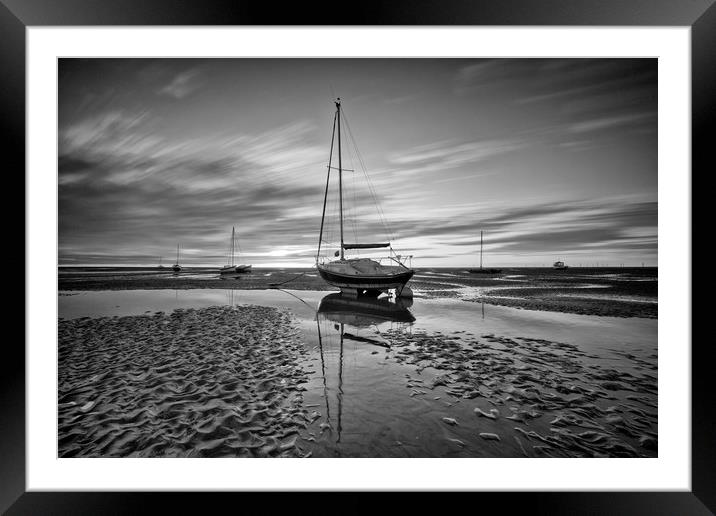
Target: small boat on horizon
<point>482,270</point>
<point>231,268</point>
<point>559,265</point>
<point>176,267</point>
<point>160,264</point>
<point>358,276</point>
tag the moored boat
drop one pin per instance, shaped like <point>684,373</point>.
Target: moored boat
<point>176,267</point>
<point>231,268</point>
<point>358,276</point>
<point>483,270</point>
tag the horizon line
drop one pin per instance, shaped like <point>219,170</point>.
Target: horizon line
<point>268,266</point>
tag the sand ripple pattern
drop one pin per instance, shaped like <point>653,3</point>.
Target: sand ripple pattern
<point>214,382</point>
<point>561,402</point>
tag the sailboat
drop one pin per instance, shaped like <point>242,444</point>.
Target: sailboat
<point>231,268</point>
<point>482,270</point>
<point>357,276</point>
<point>160,263</point>
<point>176,267</point>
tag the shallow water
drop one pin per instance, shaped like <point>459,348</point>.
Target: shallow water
<point>385,385</point>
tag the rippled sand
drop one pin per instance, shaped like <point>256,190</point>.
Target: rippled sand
<point>549,398</point>
<point>262,381</point>
<point>213,382</point>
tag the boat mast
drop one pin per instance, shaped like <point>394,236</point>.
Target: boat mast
<point>325,195</point>
<point>481,249</point>
<point>232,245</point>
<point>340,171</point>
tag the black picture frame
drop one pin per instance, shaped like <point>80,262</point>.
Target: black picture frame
<point>700,15</point>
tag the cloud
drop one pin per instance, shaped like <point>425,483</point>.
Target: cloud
<point>592,79</point>
<point>557,99</point>
<point>182,85</point>
<point>612,224</point>
<point>139,172</point>
<point>609,122</point>
<point>451,154</point>
<point>484,73</point>
<point>126,187</point>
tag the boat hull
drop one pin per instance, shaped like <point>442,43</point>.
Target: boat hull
<point>235,269</point>
<point>370,285</point>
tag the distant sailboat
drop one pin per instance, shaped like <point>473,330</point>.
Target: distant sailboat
<point>160,263</point>
<point>482,270</point>
<point>231,268</point>
<point>358,276</point>
<point>176,267</point>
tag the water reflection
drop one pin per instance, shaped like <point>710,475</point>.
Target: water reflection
<point>363,312</point>
<point>336,315</point>
<point>232,297</point>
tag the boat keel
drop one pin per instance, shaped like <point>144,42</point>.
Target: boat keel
<point>404,292</point>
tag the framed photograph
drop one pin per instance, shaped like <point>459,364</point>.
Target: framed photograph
<point>419,249</point>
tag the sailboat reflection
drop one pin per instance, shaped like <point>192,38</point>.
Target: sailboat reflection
<point>336,313</point>
<point>232,297</point>
<point>362,312</point>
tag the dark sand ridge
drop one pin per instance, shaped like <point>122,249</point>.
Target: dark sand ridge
<point>614,292</point>
<point>214,382</point>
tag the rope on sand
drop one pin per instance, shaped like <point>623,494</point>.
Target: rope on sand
<point>295,277</point>
<point>301,300</point>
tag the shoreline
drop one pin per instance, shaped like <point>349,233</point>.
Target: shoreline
<point>580,293</point>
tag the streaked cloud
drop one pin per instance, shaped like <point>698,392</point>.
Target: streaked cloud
<point>453,154</point>
<point>546,156</point>
<point>183,84</point>
<point>609,122</point>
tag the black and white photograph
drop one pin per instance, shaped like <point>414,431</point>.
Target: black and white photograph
<point>357,257</point>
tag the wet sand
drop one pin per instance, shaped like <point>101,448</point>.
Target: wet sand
<point>214,382</point>
<point>564,364</point>
<point>275,376</point>
<point>562,300</point>
<point>547,397</point>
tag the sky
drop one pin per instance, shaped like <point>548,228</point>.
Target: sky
<point>549,158</point>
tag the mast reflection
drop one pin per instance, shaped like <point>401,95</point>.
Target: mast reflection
<point>336,313</point>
